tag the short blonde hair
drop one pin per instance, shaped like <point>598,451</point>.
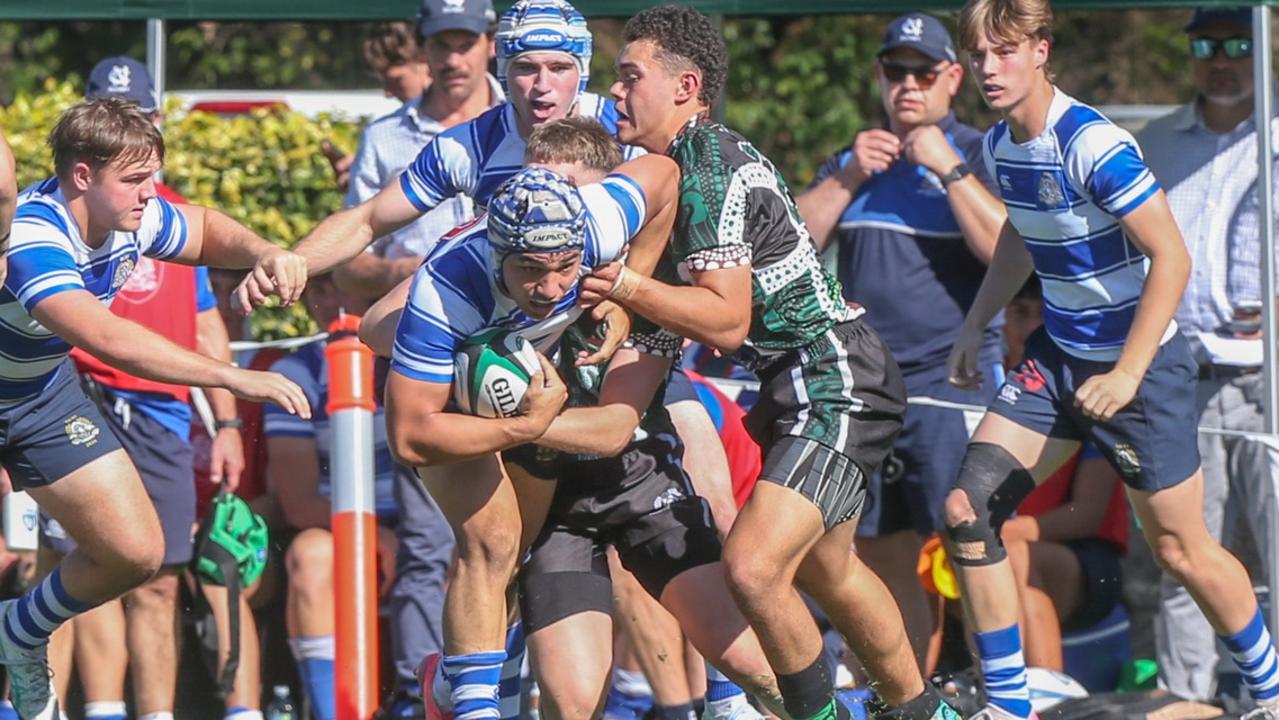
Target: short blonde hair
<point>574,139</point>
<point>1008,21</point>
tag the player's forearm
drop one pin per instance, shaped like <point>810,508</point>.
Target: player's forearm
<point>228,244</point>
<point>371,277</point>
<point>693,312</point>
<point>824,203</point>
<point>212,341</point>
<point>604,431</point>
<point>1008,270</point>
<point>980,216</point>
<point>1165,282</point>
<point>444,437</point>
<point>138,351</point>
<point>337,239</point>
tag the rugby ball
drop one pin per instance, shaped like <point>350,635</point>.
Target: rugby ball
<point>1049,688</point>
<point>491,373</point>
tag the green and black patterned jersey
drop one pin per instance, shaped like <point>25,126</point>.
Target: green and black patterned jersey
<point>584,383</point>
<point>734,210</point>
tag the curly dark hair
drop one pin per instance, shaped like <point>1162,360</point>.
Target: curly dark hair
<point>685,38</point>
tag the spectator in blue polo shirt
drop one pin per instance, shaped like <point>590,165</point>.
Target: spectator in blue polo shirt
<point>915,217</point>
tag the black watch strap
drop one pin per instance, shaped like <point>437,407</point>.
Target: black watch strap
<point>959,172</point>
<point>236,423</point>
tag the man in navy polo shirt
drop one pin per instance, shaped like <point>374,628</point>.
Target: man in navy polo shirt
<point>912,208</point>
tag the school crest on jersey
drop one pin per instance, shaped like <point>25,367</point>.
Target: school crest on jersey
<point>81,430</point>
<point>143,282</point>
<point>122,273</point>
<point>1050,194</point>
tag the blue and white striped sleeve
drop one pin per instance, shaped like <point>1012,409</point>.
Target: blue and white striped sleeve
<point>276,421</point>
<point>40,263</point>
<point>163,233</point>
<point>436,321</point>
<point>445,167</point>
<point>618,209</point>
<point>1104,161</point>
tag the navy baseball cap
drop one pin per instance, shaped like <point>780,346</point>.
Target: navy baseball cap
<point>123,77</point>
<point>475,16</point>
<point>921,32</point>
<point>1241,16</point>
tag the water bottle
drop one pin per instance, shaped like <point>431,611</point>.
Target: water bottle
<point>281,705</point>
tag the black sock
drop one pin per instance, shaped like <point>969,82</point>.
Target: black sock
<point>674,712</point>
<point>809,692</point>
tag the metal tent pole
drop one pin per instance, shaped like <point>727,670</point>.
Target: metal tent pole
<point>1263,99</point>
<point>155,56</point>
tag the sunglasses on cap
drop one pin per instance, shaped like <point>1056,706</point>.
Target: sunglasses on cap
<point>925,75</point>
<point>1235,48</point>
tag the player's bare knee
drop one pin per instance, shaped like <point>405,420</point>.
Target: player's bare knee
<point>1171,554</point>
<point>493,551</point>
<point>990,486</point>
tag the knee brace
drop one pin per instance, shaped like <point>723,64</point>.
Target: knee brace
<point>995,483</point>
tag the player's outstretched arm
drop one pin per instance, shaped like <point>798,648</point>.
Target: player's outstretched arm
<point>421,432</point>
<point>216,240</point>
<point>338,238</point>
<point>606,429</point>
<point>80,318</point>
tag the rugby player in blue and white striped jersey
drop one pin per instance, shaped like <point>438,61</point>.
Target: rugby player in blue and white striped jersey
<point>1109,365</point>
<point>75,240</point>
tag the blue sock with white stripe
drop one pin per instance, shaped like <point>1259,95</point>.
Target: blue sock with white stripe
<point>314,656</point>
<point>723,696</point>
<point>30,620</point>
<point>474,679</point>
<point>1254,655</point>
<point>508,689</point>
<point>1004,668</point>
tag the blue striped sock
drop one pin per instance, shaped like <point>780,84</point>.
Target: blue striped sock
<point>474,679</point>
<point>314,656</point>
<point>508,689</point>
<point>1254,654</point>
<point>1004,668</point>
<point>30,620</point>
<point>719,687</point>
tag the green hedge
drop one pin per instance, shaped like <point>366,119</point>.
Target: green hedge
<point>265,169</point>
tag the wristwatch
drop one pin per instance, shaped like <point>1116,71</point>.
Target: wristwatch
<point>959,172</point>
<point>236,423</point>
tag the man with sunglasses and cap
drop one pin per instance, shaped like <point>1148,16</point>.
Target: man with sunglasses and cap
<point>912,209</point>
<point>1204,156</point>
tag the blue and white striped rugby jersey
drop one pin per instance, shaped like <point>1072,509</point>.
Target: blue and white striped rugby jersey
<point>475,157</point>
<point>1066,191</point>
<point>47,256</point>
<point>454,295</point>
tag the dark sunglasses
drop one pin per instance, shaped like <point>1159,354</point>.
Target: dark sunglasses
<point>1235,48</point>
<point>925,75</point>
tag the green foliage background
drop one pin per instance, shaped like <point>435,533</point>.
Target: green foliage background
<point>799,88</point>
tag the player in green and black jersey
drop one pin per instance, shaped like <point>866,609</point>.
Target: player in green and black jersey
<point>742,275</point>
